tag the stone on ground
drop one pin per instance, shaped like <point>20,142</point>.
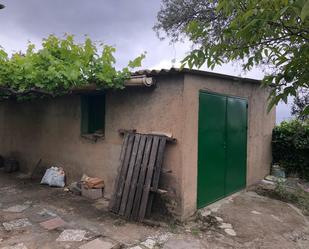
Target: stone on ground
<point>47,213</point>
<point>53,223</point>
<point>72,235</point>
<point>15,224</point>
<point>230,232</point>
<point>219,219</point>
<point>97,244</point>
<point>255,212</point>
<point>226,226</point>
<point>149,243</point>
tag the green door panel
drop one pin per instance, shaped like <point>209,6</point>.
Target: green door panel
<point>211,153</point>
<point>222,147</point>
<point>236,149</point>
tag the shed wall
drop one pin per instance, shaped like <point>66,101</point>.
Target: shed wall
<point>50,130</point>
<point>260,125</point>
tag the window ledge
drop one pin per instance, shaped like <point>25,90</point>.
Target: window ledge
<point>93,137</point>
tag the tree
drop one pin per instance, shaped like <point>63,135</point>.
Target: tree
<point>256,32</point>
<point>299,103</point>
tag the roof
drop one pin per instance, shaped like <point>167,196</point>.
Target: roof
<point>161,72</point>
<point>138,78</point>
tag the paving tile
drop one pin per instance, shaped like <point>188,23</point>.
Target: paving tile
<point>17,246</point>
<point>183,244</point>
<point>149,243</point>
<point>72,235</point>
<point>97,244</point>
<point>53,223</point>
<point>17,208</point>
<point>15,224</point>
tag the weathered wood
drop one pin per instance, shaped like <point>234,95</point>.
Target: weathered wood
<point>156,174</point>
<point>148,180</point>
<point>121,159</point>
<point>141,179</point>
<point>138,179</point>
<point>135,176</point>
<point>168,138</point>
<point>123,174</point>
<point>129,175</point>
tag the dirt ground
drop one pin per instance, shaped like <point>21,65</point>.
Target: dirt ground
<point>244,220</point>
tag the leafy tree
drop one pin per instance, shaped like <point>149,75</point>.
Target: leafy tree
<point>257,32</point>
<point>299,103</point>
<point>59,66</point>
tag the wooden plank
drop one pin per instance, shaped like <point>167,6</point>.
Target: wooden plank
<point>123,173</point>
<point>121,159</point>
<point>141,178</point>
<point>169,137</point>
<point>129,175</point>
<point>137,169</point>
<point>123,148</point>
<point>156,174</point>
<point>148,180</point>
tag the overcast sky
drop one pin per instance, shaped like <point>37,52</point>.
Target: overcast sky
<point>125,24</point>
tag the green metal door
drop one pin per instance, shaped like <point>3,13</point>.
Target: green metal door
<point>236,145</point>
<point>222,147</point>
<point>211,153</point>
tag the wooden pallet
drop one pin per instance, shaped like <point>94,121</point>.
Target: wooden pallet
<point>138,177</point>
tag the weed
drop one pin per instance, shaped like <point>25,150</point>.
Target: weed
<point>282,192</point>
<point>195,231</point>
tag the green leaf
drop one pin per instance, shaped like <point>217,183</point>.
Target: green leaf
<point>61,64</point>
<point>305,11</point>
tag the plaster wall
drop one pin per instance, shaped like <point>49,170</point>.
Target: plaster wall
<point>50,130</point>
<point>260,125</point>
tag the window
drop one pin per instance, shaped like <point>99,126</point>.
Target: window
<point>92,114</point>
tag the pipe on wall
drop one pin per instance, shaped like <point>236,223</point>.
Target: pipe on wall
<point>141,80</point>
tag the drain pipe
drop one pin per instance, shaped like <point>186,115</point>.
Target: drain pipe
<point>141,80</point>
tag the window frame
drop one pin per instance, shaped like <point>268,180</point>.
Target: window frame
<point>92,109</point>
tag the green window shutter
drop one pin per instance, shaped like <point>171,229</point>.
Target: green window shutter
<point>93,113</point>
<point>84,114</point>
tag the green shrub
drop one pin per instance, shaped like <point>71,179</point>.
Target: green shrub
<point>290,147</point>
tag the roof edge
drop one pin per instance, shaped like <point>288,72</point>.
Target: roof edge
<point>153,73</point>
